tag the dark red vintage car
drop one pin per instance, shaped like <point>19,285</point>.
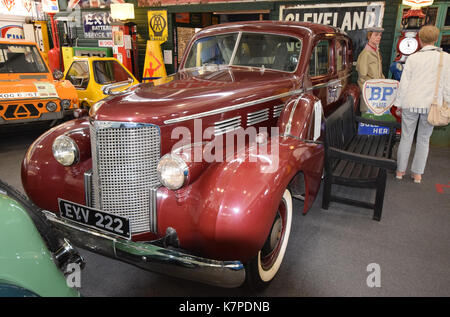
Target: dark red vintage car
<point>194,176</point>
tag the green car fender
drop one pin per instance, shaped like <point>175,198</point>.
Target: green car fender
<point>25,261</point>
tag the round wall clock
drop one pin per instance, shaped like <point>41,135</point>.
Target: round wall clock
<point>408,45</point>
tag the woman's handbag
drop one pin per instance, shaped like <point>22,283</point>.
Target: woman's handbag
<point>439,115</point>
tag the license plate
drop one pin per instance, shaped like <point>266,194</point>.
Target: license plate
<point>98,219</point>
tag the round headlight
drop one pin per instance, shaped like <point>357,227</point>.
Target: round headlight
<point>51,106</point>
<point>65,103</point>
<point>65,150</point>
<point>172,171</point>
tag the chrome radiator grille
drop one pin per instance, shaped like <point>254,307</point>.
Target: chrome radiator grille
<point>124,180</point>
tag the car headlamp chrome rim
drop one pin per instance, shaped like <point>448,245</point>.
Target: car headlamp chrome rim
<point>65,103</point>
<point>51,106</point>
<point>172,171</point>
<point>65,150</point>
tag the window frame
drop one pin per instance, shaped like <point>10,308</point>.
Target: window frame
<point>330,61</point>
<point>112,61</point>
<point>89,75</point>
<point>344,63</point>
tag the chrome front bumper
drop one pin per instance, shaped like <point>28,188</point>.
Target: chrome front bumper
<point>151,257</point>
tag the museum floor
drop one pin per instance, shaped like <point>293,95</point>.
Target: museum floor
<point>328,252</point>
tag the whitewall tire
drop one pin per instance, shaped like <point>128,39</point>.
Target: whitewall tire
<point>263,268</point>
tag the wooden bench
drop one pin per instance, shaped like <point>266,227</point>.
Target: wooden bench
<point>354,160</point>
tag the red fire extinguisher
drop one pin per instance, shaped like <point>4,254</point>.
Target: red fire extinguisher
<point>54,55</point>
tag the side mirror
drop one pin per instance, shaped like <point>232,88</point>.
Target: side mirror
<point>57,74</point>
<point>78,113</point>
<point>108,89</point>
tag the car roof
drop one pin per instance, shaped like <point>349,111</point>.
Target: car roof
<point>16,41</point>
<point>288,27</point>
<point>92,58</point>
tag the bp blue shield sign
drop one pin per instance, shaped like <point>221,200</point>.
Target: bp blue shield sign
<point>380,94</point>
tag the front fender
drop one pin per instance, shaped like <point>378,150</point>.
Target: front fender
<point>25,260</point>
<point>44,179</point>
<point>228,212</point>
<point>302,120</point>
<point>297,118</point>
<point>66,90</point>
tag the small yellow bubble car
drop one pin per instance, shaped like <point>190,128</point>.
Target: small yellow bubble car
<point>96,77</point>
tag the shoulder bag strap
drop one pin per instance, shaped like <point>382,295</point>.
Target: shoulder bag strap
<point>436,90</point>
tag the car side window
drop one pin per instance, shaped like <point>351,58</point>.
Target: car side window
<point>78,74</point>
<point>110,71</point>
<point>340,53</point>
<point>320,59</point>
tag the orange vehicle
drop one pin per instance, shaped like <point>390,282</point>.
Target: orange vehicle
<point>28,90</point>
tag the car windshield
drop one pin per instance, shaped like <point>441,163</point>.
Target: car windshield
<point>110,71</point>
<point>21,59</point>
<point>78,74</point>
<point>269,51</point>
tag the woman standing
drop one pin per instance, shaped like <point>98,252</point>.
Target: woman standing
<point>369,64</point>
<point>415,95</point>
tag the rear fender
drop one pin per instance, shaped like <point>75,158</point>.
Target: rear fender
<point>353,91</point>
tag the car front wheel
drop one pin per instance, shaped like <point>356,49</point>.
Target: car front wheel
<point>261,270</point>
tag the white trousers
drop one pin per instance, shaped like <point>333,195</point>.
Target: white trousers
<point>409,123</point>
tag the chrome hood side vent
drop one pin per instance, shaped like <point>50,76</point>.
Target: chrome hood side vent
<point>227,125</point>
<point>257,117</point>
<point>277,110</point>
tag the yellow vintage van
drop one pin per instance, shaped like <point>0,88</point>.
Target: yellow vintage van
<point>96,77</point>
<point>28,90</point>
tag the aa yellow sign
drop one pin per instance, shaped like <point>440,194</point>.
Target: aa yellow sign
<point>154,67</point>
<point>157,25</point>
